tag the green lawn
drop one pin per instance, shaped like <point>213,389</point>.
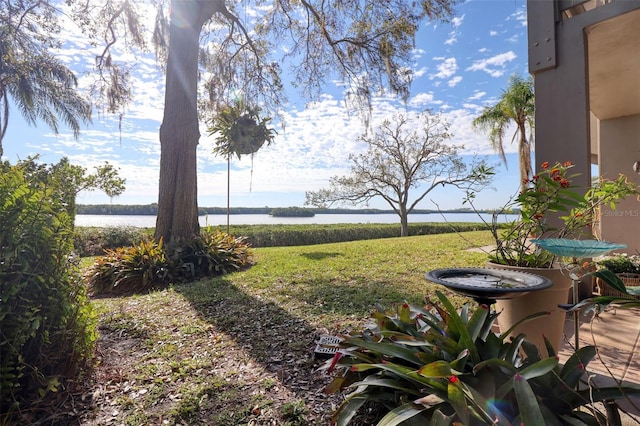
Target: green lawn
<point>239,349</point>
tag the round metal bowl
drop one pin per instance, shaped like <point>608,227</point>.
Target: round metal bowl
<point>487,283</point>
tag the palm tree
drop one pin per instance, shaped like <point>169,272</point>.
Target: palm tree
<point>515,105</point>
<point>41,88</point>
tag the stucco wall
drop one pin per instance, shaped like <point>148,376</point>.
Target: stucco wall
<point>619,149</point>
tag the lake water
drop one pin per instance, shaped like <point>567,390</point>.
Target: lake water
<point>141,221</point>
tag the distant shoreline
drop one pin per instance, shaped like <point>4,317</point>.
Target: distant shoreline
<point>152,209</point>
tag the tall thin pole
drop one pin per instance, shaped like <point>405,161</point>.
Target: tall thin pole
<point>228,191</point>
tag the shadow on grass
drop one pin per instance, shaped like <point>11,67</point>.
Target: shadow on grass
<point>320,255</point>
<point>278,341</point>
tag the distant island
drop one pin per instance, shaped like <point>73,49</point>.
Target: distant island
<point>152,209</point>
<point>292,212</point>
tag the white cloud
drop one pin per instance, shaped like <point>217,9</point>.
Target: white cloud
<point>446,69</point>
<point>419,72</point>
<point>477,94</point>
<point>494,66</point>
<point>454,81</point>
<point>457,21</point>
<point>520,16</point>
<point>421,100</point>
<point>514,39</point>
<point>493,33</point>
<point>417,53</point>
<point>453,38</point>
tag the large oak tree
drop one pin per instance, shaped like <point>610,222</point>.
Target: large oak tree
<point>251,47</point>
<point>217,50</point>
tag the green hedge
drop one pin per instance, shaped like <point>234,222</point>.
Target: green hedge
<point>300,235</point>
<point>47,328</point>
<point>92,241</point>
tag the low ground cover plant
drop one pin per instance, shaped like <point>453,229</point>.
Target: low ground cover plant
<point>437,366</point>
<point>150,265</point>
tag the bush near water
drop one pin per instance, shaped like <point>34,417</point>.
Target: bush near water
<point>93,241</point>
<point>47,327</point>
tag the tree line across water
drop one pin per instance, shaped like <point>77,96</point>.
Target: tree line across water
<point>152,209</point>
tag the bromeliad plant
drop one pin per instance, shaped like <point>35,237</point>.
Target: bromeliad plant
<point>149,264</point>
<point>438,366</point>
<point>551,193</point>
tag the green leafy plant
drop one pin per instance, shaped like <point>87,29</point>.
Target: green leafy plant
<point>620,263</point>
<point>551,193</point>
<point>150,264</point>
<point>90,241</point>
<point>621,295</point>
<point>240,130</point>
<point>132,269</point>
<point>47,326</point>
<point>212,253</point>
<point>439,366</point>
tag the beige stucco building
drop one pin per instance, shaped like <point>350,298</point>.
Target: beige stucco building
<point>584,56</point>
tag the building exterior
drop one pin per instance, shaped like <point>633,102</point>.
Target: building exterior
<point>584,56</point>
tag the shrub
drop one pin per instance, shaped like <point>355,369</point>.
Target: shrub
<point>620,263</point>
<point>89,241</point>
<point>438,366</point>
<point>130,269</point>
<point>150,265</point>
<point>47,328</point>
<point>300,235</point>
<point>212,253</point>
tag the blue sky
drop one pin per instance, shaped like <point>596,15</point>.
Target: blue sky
<point>460,67</point>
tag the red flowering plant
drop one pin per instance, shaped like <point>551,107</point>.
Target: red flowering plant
<point>552,207</point>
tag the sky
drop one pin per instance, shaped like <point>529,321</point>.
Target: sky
<point>460,67</point>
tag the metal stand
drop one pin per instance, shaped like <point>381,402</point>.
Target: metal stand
<point>576,318</point>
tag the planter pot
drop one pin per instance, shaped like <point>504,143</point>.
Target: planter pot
<point>547,300</point>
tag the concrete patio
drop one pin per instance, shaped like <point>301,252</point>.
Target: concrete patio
<point>616,335</point>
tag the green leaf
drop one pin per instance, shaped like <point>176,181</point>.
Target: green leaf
<point>530,413</point>
<point>611,279</point>
<point>436,370</point>
<point>574,367</point>
<point>402,372</point>
<point>465,342</point>
<point>439,419</point>
<point>348,409</point>
<point>405,313</point>
<point>456,397</point>
<point>477,322</point>
<point>388,383</point>
<point>388,349</point>
<point>400,414</point>
<point>539,368</point>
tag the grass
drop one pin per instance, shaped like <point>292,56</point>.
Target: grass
<point>238,349</point>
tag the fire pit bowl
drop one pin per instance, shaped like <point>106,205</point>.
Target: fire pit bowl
<point>485,285</point>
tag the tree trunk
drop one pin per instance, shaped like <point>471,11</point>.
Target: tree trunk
<point>524,148</point>
<point>404,221</point>
<point>179,133</point>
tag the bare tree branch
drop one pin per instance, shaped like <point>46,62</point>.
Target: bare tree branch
<point>402,157</point>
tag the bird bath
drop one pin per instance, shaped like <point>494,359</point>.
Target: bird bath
<point>485,285</point>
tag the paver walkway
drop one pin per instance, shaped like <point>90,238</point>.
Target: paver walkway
<point>616,335</point>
